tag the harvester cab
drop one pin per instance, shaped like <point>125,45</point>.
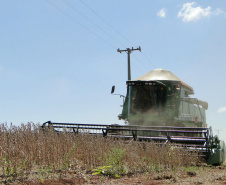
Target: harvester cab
<point>159,98</point>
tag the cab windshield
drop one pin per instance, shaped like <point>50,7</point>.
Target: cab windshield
<point>147,98</point>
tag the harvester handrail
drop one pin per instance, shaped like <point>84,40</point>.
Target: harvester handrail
<point>153,130</point>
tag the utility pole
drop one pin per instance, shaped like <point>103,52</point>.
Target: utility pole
<point>128,51</point>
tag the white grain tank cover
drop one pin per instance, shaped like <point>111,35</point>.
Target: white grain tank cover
<point>163,74</point>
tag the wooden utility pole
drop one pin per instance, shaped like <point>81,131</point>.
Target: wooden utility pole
<point>128,50</point>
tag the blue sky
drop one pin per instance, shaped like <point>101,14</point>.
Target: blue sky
<point>59,59</point>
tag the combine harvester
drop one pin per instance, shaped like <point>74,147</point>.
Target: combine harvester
<point>158,108</point>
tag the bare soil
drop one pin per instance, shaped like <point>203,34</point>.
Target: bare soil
<point>202,174</point>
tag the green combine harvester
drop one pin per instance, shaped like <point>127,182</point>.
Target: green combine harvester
<point>158,108</point>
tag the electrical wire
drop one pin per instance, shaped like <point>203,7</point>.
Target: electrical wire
<point>116,31</point>
<point>144,65</point>
<point>106,22</point>
<point>98,36</point>
<point>87,29</point>
<point>148,59</point>
<point>92,22</point>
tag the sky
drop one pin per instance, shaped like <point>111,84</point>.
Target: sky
<point>59,59</point>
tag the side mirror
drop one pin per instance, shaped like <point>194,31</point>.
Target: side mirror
<point>112,89</point>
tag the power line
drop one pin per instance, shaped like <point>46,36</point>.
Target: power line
<point>89,30</point>
<point>148,59</point>
<point>138,59</point>
<point>92,22</point>
<point>80,24</point>
<point>106,22</point>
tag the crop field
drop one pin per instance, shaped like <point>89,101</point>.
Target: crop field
<point>29,155</point>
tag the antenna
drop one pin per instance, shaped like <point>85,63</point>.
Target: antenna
<point>218,131</point>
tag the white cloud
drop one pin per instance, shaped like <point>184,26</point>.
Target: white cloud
<point>222,109</point>
<point>162,13</point>
<point>192,12</point>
